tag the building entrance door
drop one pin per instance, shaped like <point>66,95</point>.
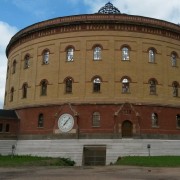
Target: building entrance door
<point>94,155</point>
<point>127,128</point>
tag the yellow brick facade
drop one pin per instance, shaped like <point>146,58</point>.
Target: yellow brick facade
<point>111,68</point>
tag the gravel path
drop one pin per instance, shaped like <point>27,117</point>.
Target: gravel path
<point>89,173</point>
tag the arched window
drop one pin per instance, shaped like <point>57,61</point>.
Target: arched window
<point>151,55</point>
<point>26,61</point>
<point>97,53</point>
<point>125,85</point>
<point>24,90</point>
<point>178,120</point>
<point>40,121</point>
<point>7,72</point>
<point>152,86</point>
<point>125,53</point>
<point>44,88</point>
<point>70,54</point>
<point>14,66</point>
<point>175,86</point>
<point>154,118</point>
<point>46,57</point>
<point>12,94</point>
<point>68,85</point>
<point>96,84</point>
<point>174,59</point>
<point>96,119</point>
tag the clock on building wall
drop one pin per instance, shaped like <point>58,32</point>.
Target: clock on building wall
<point>65,122</point>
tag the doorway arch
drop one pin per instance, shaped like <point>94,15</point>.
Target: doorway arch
<point>127,129</point>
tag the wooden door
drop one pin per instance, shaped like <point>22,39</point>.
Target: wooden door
<point>127,128</point>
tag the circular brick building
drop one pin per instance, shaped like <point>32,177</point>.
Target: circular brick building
<point>102,75</point>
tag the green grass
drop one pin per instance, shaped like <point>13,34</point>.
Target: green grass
<point>152,161</point>
<point>7,161</point>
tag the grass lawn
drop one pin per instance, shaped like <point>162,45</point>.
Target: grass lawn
<point>7,161</point>
<point>152,161</point>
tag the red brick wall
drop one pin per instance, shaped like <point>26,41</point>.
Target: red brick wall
<point>13,127</point>
<point>111,117</point>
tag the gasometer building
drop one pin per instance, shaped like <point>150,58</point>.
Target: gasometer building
<point>95,82</point>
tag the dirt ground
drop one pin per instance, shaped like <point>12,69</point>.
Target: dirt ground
<point>89,173</point>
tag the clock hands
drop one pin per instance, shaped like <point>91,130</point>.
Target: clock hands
<point>66,121</point>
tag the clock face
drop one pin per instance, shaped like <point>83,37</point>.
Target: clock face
<point>65,122</point>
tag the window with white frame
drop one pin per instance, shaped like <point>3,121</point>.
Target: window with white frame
<point>125,53</point>
<point>152,56</point>
<point>46,57</point>
<point>70,54</point>
<point>97,53</point>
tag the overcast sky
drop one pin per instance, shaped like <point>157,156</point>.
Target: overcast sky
<point>17,14</point>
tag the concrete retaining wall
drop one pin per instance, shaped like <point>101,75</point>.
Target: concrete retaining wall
<point>74,148</point>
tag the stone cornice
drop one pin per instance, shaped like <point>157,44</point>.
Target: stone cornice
<point>82,103</point>
<point>95,22</point>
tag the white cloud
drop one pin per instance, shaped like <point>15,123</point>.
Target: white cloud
<point>160,9</point>
<point>6,32</point>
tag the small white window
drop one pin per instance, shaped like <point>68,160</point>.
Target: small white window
<point>70,54</point>
<point>151,56</point>
<point>125,54</point>
<point>97,53</point>
<point>46,57</point>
